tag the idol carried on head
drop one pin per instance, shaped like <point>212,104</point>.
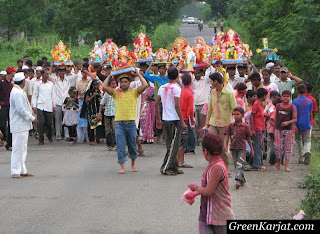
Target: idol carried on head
<point>203,52</point>
<point>60,55</point>
<point>142,48</point>
<point>110,50</point>
<point>123,62</point>
<point>269,55</point>
<point>97,54</point>
<point>162,56</point>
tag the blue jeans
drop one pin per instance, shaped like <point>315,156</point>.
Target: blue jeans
<point>258,149</point>
<point>126,133</point>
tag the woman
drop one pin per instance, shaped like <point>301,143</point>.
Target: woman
<point>91,107</point>
<point>147,116</point>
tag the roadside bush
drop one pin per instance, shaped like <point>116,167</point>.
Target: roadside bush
<point>164,36</point>
<point>311,204</point>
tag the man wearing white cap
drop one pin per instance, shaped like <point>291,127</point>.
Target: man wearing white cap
<point>36,79</point>
<point>273,77</point>
<point>21,120</point>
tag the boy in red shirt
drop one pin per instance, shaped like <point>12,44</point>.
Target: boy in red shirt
<point>187,111</point>
<point>314,101</point>
<point>258,127</point>
<point>238,132</point>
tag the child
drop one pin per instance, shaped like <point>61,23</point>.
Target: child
<point>251,97</point>
<point>286,117</point>
<point>268,111</point>
<point>241,92</point>
<point>215,208</point>
<point>238,133</point>
<point>258,127</point>
<point>303,125</point>
<point>82,126</point>
<point>70,118</point>
<point>108,103</point>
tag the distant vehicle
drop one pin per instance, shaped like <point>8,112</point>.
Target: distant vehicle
<point>192,20</point>
<point>185,20</point>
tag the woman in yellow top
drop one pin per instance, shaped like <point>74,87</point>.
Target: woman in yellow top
<point>125,115</point>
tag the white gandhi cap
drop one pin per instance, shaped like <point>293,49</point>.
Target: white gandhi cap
<point>18,77</point>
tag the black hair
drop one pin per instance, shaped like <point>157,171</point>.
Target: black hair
<point>39,63</point>
<point>262,92</point>
<point>258,65</point>
<point>254,75</point>
<point>274,93</point>
<point>111,80</point>
<point>86,60</point>
<point>301,88</point>
<point>20,61</point>
<point>241,86</point>
<point>44,58</point>
<point>240,109</point>
<point>250,93</point>
<point>276,101</point>
<point>231,68</point>
<point>29,63</point>
<point>30,70</point>
<point>173,73</point>
<point>161,65</point>
<point>86,65</point>
<point>309,87</point>
<point>186,79</point>
<point>216,76</point>
<point>218,62</point>
<point>25,56</point>
<point>267,70</point>
<point>47,64</point>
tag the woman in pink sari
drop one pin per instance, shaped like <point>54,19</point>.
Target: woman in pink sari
<point>147,115</point>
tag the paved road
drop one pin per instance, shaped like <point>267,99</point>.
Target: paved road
<point>77,190</point>
<point>190,31</point>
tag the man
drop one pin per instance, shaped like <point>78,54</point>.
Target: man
<point>82,84</point>
<point>25,59</point>
<point>125,106</point>
<point>303,124</point>
<point>221,105</point>
<point>221,25</point>
<point>5,89</point>
<point>71,76</point>
<point>232,77</point>
<point>215,26</point>
<point>273,77</point>
<point>3,75</point>
<point>28,74</point>
<point>285,83</point>
<point>201,85</point>
<point>276,70</point>
<point>172,121</point>
<point>21,120</point>
<point>19,64</point>
<point>36,79</point>
<point>44,60</point>
<point>61,86</point>
<point>157,80</point>
<point>43,106</point>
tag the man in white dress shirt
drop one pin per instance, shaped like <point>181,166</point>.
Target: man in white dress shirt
<point>43,105</point>
<point>61,85</point>
<point>21,120</point>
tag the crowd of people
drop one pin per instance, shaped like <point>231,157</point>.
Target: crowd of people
<point>244,111</point>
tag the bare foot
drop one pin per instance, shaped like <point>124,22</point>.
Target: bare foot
<point>122,171</point>
<point>278,165</point>
<point>288,169</point>
<point>134,169</point>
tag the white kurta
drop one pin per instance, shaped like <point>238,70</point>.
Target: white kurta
<point>21,122</point>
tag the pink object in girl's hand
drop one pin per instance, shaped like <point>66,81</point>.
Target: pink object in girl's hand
<point>189,196</point>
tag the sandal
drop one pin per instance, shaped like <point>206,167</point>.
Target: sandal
<point>180,172</point>
<point>170,173</point>
<point>186,166</point>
